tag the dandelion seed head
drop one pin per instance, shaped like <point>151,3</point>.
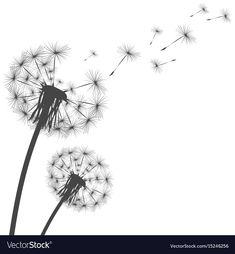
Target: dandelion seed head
<point>77,177</point>
<point>32,82</point>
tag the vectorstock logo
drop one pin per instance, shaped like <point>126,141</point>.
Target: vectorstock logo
<point>29,245</point>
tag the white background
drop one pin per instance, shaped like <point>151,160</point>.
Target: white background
<point>169,138</point>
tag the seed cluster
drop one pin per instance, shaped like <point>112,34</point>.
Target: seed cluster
<point>80,177</point>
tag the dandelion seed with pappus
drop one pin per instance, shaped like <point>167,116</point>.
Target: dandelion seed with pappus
<point>185,35</point>
<point>127,53</point>
<point>93,53</point>
<point>156,31</point>
<point>202,9</point>
<point>225,16</point>
<point>156,64</point>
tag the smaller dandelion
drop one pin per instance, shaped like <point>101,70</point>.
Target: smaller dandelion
<point>126,52</point>
<point>225,16</point>
<point>155,31</point>
<point>202,9</point>
<point>185,35</point>
<point>79,179</point>
<point>93,53</point>
<point>156,64</point>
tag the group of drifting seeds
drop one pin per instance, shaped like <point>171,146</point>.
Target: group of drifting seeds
<point>184,34</point>
<point>47,103</point>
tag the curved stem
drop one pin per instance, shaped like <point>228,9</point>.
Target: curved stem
<point>53,215</point>
<point>22,179</point>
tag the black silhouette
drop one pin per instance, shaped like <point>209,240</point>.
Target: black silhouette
<point>157,64</point>
<point>184,35</point>
<point>92,54</point>
<point>225,16</point>
<point>35,95</point>
<point>202,9</point>
<point>80,179</point>
<point>127,53</point>
<point>156,31</point>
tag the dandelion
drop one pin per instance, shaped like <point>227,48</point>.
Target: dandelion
<point>93,53</point>
<point>156,31</point>
<point>202,9</point>
<point>156,64</point>
<point>225,16</point>
<point>127,53</point>
<point>184,35</point>
<point>80,179</point>
<point>36,95</point>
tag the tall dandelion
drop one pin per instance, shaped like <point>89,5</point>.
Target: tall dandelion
<point>38,97</point>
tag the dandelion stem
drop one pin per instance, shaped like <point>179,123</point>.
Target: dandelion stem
<point>22,179</point>
<point>53,215</point>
